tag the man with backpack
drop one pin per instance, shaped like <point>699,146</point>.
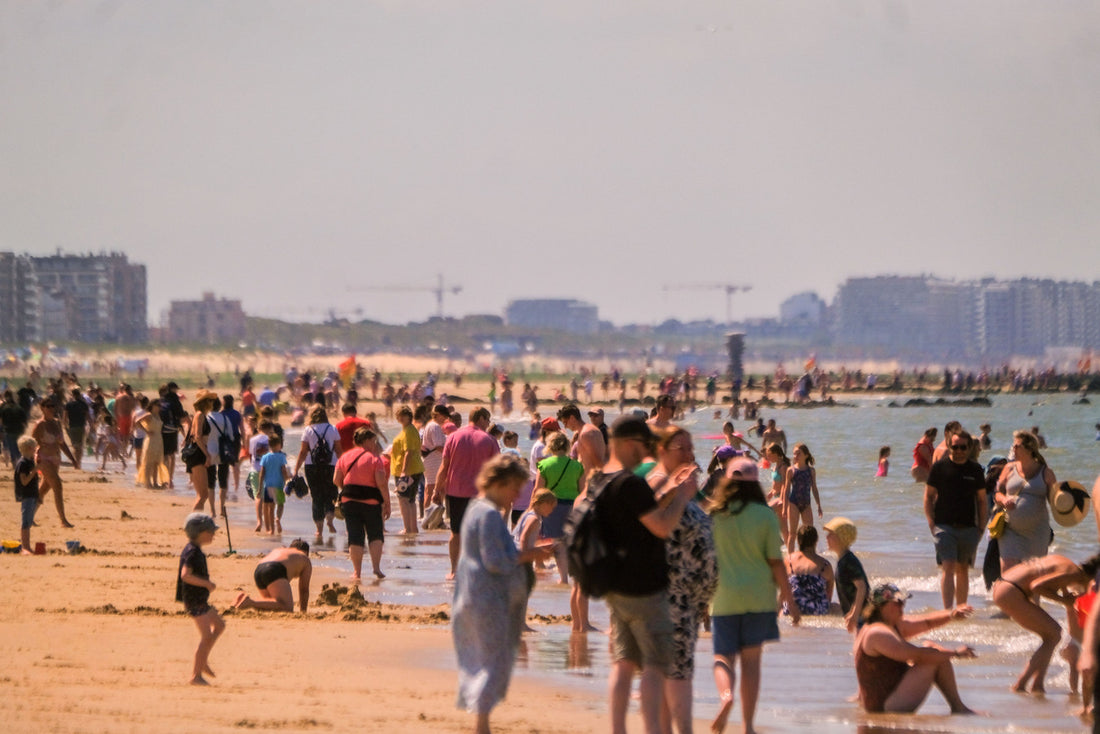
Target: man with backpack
<point>635,520</point>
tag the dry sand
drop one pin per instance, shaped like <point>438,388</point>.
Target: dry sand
<point>95,642</point>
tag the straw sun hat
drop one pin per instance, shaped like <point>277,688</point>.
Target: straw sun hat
<point>1070,504</point>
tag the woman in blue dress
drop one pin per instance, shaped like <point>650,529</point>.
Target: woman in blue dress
<point>490,590</point>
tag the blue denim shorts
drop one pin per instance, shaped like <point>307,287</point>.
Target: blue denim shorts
<point>27,507</point>
<point>732,633</point>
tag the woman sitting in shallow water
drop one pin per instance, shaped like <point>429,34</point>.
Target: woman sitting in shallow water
<point>895,675</point>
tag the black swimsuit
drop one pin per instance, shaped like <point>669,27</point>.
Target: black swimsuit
<point>268,573</point>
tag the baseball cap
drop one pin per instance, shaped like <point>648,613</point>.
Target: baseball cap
<point>596,411</point>
<point>726,452</point>
<point>631,426</point>
<point>550,424</point>
<point>842,528</point>
<point>743,469</point>
<point>197,523</point>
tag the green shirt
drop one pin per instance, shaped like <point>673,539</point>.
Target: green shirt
<point>561,476</point>
<point>744,543</point>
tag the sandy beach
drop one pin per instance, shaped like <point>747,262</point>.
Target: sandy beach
<point>95,641</point>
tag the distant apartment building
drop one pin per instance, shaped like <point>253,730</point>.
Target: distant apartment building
<point>986,319</point>
<point>562,314</point>
<point>208,321</point>
<point>92,298</point>
<point>802,308</point>
<point>18,299</point>
<point>88,298</point>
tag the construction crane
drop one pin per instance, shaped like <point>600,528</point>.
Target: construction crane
<point>730,289</point>
<point>438,290</point>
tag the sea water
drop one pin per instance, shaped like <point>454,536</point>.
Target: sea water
<point>808,676</point>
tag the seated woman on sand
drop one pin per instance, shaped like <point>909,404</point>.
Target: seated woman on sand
<point>894,675</point>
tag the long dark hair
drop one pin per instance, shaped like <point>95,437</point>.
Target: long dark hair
<point>734,495</point>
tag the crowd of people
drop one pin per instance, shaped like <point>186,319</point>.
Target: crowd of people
<point>732,547</point>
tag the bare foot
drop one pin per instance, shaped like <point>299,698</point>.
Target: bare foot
<point>242,601</point>
<point>964,711</point>
<point>450,576</point>
<point>317,536</point>
<point>67,524</point>
<point>206,669</point>
<point>259,526</point>
<point>719,723</point>
<point>198,680</point>
<point>25,552</point>
<point>331,528</point>
<point>356,578</point>
<point>278,526</point>
<point>379,574</point>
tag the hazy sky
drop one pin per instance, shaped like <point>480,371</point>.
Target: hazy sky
<point>285,153</point>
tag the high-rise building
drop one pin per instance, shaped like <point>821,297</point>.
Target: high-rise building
<point>19,302</point>
<point>92,298</point>
<point>968,320</point>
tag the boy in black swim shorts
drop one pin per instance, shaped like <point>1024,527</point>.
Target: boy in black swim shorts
<point>193,587</point>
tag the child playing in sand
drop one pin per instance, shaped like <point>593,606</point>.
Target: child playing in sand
<point>529,525</point>
<point>883,462</point>
<point>273,475</point>
<point>26,490</point>
<point>193,587</point>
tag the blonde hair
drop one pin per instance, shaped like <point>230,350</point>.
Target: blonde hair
<point>500,472</point>
<point>544,497</point>
<point>557,442</point>
<point>1031,444</point>
<point>26,446</point>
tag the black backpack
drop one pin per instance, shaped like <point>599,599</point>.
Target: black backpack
<point>594,560</point>
<point>321,453</point>
<point>228,445</point>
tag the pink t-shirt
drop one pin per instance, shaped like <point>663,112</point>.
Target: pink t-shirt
<point>364,469</point>
<point>465,452</point>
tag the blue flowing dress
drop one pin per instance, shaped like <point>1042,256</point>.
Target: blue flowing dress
<point>488,608</point>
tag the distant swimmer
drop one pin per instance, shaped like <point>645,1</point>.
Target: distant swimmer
<point>273,577</point>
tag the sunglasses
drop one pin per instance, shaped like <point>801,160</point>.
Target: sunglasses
<point>960,447</point>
